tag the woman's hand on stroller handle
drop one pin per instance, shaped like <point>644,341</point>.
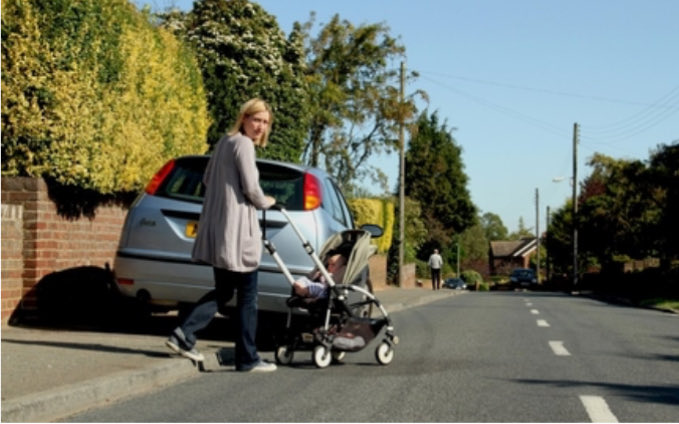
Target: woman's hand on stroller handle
<point>277,206</point>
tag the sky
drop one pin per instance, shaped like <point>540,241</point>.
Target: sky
<point>511,78</point>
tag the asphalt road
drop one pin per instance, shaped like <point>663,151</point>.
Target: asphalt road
<point>480,357</point>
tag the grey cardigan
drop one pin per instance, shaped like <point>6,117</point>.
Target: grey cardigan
<point>229,236</point>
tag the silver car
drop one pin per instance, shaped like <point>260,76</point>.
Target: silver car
<point>153,261</point>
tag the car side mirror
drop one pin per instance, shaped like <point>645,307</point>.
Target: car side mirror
<point>374,230</point>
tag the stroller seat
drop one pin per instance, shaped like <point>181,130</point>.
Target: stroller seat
<point>296,301</point>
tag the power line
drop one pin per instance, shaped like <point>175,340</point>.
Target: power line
<point>660,110</point>
<point>537,89</point>
<point>501,109</point>
<point>608,135</point>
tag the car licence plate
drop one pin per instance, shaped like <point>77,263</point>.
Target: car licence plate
<point>191,229</point>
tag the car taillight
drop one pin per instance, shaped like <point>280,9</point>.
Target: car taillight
<point>126,281</point>
<point>157,179</point>
<point>312,192</point>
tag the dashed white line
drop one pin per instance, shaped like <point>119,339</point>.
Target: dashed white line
<point>534,311</point>
<point>597,409</point>
<point>542,323</point>
<point>558,348</point>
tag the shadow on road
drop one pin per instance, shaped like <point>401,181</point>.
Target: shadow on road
<point>86,299</point>
<point>655,394</point>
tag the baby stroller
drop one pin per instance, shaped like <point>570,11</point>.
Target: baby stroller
<point>342,321</point>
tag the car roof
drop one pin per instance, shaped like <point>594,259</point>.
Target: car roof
<point>291,165</point>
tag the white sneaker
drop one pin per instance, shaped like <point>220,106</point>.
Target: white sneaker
<point>262,366</point>
<point>192,353</point>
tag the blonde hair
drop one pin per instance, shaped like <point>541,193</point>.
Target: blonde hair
<point>250,108</point>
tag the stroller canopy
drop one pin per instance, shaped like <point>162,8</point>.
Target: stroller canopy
<point>355,246</point>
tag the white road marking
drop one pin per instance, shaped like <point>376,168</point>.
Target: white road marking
<point>558,349</point>
<point>529,304</point>
<point>542,323</point>
<point>534,311</point>
<point>597,409</point>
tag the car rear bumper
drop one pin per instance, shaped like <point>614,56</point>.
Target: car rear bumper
<point>169,282</point>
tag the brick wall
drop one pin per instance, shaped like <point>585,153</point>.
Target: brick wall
<point>378,273</point>
<point>52,240</point>
<point>12,259</point>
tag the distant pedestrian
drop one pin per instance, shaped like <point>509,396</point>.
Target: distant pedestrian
<point>229,237</point>
<point>435,263</point>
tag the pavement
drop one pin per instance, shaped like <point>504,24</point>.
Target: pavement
<point>53,370</point>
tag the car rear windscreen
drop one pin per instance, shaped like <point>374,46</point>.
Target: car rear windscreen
<point>185,182</point>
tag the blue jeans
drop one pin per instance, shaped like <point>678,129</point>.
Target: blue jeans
<point>245,285</point>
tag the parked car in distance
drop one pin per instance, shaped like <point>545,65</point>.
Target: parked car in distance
<point>455,284</point>
<point>153,262</point>
<point>523,277</point>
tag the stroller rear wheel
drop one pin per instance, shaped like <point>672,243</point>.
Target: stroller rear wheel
<point>322,356</point>
<point>283,355</point>
<point>338,355</point>
<point>384,353</point>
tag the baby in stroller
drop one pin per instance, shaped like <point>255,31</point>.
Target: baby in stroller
<point>317,286</point>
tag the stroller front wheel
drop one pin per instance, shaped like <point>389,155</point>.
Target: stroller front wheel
<point>384,353</point>
<point>322,356</point>
<point>283,355</point>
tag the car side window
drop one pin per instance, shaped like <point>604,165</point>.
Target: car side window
<point>331,202</point>
<point>348,220</point>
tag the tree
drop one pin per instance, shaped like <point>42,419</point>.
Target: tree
<point>474,247</point>
<point>415,235</point>
<point>663,174</point>
<point>355,108</point>
<point>435,177</point>
<point>522,232</point>
<point>616,210</point>
<point>626,210</point>
<point>243,54</point>
<point>493,228</point>
<point>559,242</point>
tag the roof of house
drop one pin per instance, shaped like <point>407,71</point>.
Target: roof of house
<point>515,248</point>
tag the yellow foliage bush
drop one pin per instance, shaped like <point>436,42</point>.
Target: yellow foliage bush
<point>101,106</point>
<point>375,211</point>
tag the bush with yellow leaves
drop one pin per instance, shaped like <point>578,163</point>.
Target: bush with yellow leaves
<point>94,96</point>
<point>375,211</point>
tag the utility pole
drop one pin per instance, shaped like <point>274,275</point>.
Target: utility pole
<point>401,183</point>
<point>457,256</point>
<point>548,272</point>
<point>537,233</point>
<point>575,204</point>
